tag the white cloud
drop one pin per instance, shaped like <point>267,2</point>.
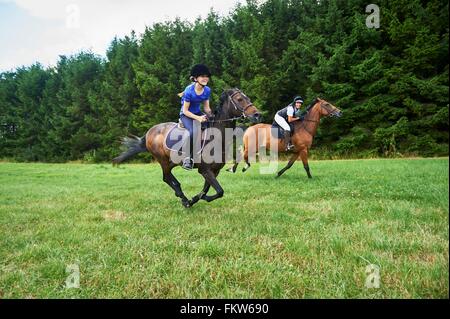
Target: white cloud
<point>45,9</point>
<point>99,22</point>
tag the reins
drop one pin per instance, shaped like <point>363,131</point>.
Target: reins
<point>314,121</point>
<point>242,110</point>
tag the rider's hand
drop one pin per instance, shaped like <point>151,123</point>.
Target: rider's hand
<point>202,118</point>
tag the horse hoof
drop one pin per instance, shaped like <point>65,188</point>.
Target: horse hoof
<point>186,203</point>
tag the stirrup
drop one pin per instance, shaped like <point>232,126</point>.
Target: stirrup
<point>188,163</point>
<point>289,147</point>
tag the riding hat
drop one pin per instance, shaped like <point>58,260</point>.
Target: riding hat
<point>200,69</point>
<point>298,98</point>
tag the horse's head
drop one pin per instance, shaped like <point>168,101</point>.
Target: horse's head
<point>328,109</point>
<point>238,104</point>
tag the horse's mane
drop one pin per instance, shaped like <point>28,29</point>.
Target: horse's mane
<point>222,99</point>
<point>310,105</point>
<point>308,109</point>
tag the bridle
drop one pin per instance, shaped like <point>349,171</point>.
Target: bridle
<point>330,113</point>
<point>236,107</point>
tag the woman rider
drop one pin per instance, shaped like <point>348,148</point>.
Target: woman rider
<point>288,115</point>
<point>196,93</point>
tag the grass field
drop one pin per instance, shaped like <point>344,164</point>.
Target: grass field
<point>287,238</point>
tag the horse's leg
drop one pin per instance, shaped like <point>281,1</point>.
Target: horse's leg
<point>247,164</point>
<point>304,157</point>
<point>205,189</point>
<point>238,159</point>
<point>210,178</point>
<point>175,184</point>
<point>236,162</point>
<point>288,166</point>
<point>202,194</point>
<point>232,169</point>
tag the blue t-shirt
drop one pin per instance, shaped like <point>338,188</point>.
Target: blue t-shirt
<point>195,100</point>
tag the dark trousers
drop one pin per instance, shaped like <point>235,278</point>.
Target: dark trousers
<point>188,123</point>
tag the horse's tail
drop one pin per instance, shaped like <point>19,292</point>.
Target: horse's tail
<point>134,145</point>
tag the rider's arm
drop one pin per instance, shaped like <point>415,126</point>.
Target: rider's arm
<point>207,108</point>
<point>189,113</point>
<point>291,113</point>
<point>292,118</point>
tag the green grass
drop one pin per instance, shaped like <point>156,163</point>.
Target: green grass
<point>266,238</point>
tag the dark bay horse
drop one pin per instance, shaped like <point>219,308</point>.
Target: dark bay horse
<point>234,104</point>
<point>302,138</point>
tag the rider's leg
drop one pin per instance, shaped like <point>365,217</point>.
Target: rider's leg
<point>287,130</point>
<point>287,140</point>
<point>189,125</point>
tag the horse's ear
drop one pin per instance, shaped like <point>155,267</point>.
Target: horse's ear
<point>223,97</point>
<point>313,102</point>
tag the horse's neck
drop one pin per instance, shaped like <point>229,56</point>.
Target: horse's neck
<point>221,114</point>
<point>312,120</point>
<point>223,118</point>
<point>223,121</point>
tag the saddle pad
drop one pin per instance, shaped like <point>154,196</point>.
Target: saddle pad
<point>277,131</point>
<point>177,137</point>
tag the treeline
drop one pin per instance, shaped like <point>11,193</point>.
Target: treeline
<point>391,82</point>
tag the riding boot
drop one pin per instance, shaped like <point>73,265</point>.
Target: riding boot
<point>188,162</point>
<point>287,140</point>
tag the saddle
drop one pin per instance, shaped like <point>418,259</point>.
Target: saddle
<point>278,132</point>
<point>178,136</point>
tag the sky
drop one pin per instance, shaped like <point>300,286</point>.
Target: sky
<point>41,30</point>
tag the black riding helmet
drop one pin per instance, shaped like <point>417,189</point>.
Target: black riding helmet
<point>200,69</point>
<point>298,98</point>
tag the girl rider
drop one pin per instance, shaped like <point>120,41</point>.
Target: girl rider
<point>195,94</point>
<point>288,115</point>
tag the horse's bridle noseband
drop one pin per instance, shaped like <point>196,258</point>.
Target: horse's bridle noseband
<point>330,112</point>
<point>236,107</point>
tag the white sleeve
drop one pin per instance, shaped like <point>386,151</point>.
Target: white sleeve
<point>290,111</point>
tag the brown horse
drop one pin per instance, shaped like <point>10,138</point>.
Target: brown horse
<point>302,138</point>
<point>234,104</point>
